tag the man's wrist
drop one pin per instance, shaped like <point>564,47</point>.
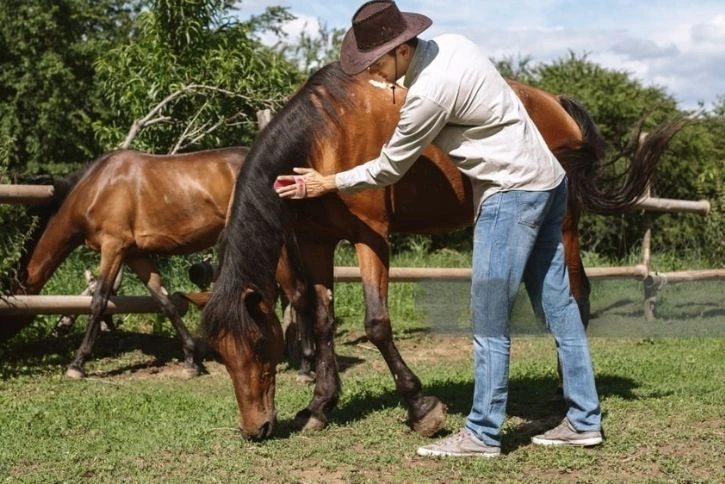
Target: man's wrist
<point>329,183</point>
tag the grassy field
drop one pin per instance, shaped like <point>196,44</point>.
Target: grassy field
<point>135,419</point>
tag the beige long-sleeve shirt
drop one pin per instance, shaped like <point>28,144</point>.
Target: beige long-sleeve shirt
<point>457,100</point>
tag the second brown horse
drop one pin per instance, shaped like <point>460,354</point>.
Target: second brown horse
<point>128,206</point>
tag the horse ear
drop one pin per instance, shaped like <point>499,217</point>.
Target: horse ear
<point>254,302</point>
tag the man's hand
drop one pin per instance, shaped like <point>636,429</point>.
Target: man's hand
<point>308,183</point>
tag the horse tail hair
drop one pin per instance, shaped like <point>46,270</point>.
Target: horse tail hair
<point>592,180</point>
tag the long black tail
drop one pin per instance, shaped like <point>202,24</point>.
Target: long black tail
<point>593,182</point>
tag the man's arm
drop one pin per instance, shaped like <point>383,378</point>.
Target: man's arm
<point>420,122</point>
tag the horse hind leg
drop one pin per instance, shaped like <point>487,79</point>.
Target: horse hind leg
<point>151,277</point>
<point>578,280</point>
<point>65,322</point>
<point>294,295</point>
<point>111,260</point>
<point>426,414</point>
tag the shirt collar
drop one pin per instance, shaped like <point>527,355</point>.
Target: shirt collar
<point>420,59</point>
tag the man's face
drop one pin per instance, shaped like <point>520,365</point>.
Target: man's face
<point>385,67</point>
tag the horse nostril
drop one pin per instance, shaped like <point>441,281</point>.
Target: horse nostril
<point>265,430</point>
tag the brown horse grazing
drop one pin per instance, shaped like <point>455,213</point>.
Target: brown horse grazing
<point>129,205</point>
<point>333,123</point>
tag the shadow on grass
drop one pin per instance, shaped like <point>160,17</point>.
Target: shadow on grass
<point>536,400</point>
<point>37,356</point>
<point>687,311</point>
<point>615,305</point>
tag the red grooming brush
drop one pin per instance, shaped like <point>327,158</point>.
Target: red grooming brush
<point>298,181</point>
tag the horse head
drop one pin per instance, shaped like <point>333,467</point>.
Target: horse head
<point>251,353</point>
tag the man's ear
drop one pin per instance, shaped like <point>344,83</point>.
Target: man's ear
<point>404,50</point>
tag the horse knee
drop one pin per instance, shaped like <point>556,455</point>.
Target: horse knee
<point>378,329</point>
<point>98,305</point>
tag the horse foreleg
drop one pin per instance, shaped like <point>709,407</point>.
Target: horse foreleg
<point>111,260</point>
<point>147,271</point>
<point>426,414</point>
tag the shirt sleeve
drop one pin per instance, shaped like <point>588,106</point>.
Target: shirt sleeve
<point>421,119</point>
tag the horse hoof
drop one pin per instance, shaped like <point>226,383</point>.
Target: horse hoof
<point>305,377</point>
<point>190,372</point>
<point>314,424</point>
<point>307,422</point>
<point>75,373</point>
<point>430,423</point>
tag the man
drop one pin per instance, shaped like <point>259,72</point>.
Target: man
<point>457,100</point>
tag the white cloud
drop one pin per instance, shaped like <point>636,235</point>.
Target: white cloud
<point>710,35</point>
<point>643,49</point>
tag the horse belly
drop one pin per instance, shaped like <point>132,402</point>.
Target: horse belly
<point>434,196</point>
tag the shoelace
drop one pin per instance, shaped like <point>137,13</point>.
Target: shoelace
<point>461,435</point>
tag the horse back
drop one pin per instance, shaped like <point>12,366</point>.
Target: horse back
<point>558,129</point>
<point>160,203</point>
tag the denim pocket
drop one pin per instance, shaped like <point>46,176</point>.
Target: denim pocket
<point>531,207</point>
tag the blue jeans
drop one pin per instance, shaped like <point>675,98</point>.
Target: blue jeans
<point>517,237</point>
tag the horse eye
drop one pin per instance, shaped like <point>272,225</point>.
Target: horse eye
<point>259,342</point>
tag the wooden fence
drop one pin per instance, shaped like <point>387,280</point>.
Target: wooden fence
<point>652,280</point>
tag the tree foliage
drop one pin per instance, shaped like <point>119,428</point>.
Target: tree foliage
<point>313,51</point>
<point>216,71</point>
<point>47,79</point>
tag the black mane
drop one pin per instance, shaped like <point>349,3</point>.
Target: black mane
<point>259,220</point>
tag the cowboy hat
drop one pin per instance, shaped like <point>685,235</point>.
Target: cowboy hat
<point>377,28</point>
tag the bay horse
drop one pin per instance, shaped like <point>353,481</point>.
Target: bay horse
<point>129,205</point>
<point>332,123</point>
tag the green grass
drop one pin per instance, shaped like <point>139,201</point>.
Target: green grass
<point>131,421</point>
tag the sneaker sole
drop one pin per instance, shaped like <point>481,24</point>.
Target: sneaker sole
<point>436,453</point>
<point>590,442</point>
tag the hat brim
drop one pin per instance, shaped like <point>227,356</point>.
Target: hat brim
<point>354,61</point>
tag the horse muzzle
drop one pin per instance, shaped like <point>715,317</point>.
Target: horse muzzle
<point>259,432</point>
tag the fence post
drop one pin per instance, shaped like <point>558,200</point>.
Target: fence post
<point>650,287</point>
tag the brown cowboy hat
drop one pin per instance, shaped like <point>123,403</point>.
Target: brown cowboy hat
<point>377,28</point>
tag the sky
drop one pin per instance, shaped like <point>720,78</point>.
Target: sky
<point>675,44</point>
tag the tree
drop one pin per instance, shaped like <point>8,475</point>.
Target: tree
<point>201,75</point>
<point>47,51</point>
<point>313,51</point>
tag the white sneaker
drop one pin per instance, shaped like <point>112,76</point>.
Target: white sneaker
<point>565,434</point>
<point>461,444</point>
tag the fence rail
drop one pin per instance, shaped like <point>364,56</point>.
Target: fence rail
<point>35,194</point>
<point>25,194</point>
<point>50,304</point>
<point>639,272</point>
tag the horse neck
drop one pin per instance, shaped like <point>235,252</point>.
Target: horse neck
<point>56,242</point>
<point>367,125</point>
